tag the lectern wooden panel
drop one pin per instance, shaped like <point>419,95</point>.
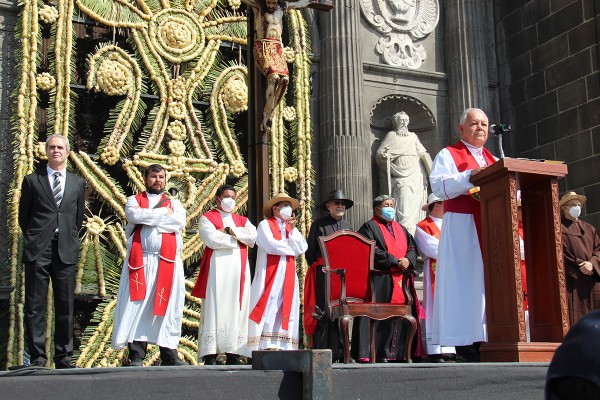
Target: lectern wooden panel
<point>548,314</point>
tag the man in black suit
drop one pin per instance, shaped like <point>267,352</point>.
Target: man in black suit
<point>50,216</point>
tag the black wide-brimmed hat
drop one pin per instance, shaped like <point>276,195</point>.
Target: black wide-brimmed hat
<point>337,194</point>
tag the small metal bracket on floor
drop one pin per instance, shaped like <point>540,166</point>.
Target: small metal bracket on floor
<point>315,366</point>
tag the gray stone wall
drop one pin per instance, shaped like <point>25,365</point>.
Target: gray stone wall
<point>8,11</point>
<point>550,87</point>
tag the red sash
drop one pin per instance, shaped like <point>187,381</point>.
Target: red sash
<point>166,264</point>
<point>310,297</point>
<point>429,227</point>
<point>397,246</point>
<point>214,216</point>
<point>523,273</point>
<point>465,204</point>
<point>288,282</point>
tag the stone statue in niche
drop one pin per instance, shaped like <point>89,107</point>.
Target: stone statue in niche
<point>403,24</point>
<point>404,165</point>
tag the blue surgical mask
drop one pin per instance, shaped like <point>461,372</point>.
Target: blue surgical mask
<point>388,213</point>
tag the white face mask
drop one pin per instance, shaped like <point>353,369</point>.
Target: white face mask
<point>285,212</point>
<point>575,211</point>
<point>228,204</point>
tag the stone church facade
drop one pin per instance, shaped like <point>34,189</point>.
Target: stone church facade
<point>532,64</point>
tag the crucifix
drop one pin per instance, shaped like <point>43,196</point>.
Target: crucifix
<point>269,78</point>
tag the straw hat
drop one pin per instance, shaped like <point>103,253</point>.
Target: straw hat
<point>431,199</point>
<point>267,208</point>
<point>572,196</point>
<point>337,194</point>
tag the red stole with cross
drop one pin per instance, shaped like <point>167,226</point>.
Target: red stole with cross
<point>430,227</point>
<point>166,263</point>
<point>288,282</point>
<point>214,216</point>
<point>397,246</point>
<point>465,204</point>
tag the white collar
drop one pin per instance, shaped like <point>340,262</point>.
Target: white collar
<point>51,171</point>
<point>471,147</point>
<point>153,194</point>
<point>435,219</point>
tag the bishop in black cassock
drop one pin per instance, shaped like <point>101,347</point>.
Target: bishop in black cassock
<point>386,233</point>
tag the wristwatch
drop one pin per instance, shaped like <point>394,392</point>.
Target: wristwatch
<point>228,230</point>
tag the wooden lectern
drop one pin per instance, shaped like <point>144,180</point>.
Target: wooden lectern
<point>548,313</point>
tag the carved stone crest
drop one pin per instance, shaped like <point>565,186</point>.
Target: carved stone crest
<point>403,24</point>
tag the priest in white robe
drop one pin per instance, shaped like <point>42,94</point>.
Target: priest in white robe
<point>274,300</point>
<point>459,303</point>
<point>152,288</point>
<point>427,236</point>
<point>224,280</point>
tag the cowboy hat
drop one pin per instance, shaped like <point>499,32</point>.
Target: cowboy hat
<point>337,194</point>
<point>572,196</point>
<point>267,208</point>
<point>431,199</point>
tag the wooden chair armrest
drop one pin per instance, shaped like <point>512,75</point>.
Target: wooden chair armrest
<point>343,302</point>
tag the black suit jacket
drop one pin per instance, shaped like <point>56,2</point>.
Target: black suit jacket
<point>39,216</point>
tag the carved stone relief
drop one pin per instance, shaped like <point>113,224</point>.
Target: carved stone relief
<point>403,24</point>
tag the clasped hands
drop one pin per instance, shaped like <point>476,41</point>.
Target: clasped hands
<point>403,263</point>
<point>586,268</point>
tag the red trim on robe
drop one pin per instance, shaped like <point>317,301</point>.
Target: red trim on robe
<point>214,216</point>
<point>258,312</point>
<point>166,264</point>
<point>465,204</point>
<point>523,273</point>
<point>429,226</point>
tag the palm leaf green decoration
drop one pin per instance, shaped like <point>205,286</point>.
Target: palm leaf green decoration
<point>173,80</point>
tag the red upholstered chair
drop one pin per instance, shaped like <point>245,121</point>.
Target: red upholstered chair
<point>348,265</point>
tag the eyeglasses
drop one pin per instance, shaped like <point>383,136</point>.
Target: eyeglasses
<point>338,202</point>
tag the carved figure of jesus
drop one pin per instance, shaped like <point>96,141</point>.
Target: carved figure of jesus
<point>268,50</point>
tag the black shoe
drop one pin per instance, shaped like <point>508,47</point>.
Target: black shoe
<point>435,358</point>
<point>210,359</point>
<point>35,364</point>
<point>66,366</point>
<point>233,359</point>
<point>173,362</point>
<point>136,362</point>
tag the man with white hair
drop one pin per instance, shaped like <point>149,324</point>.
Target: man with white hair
<point>459,299</point>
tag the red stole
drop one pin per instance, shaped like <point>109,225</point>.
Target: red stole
<point>430,227</point>
<point>397,246</point>
<point>214,216</point>
<point>166,264</point>
<point>523,273</point>
<point>466,204</point>
<point>288,282</point>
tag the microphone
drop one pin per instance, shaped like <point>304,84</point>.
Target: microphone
<point>499,129</point>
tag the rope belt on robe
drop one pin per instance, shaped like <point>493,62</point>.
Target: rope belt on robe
<point>214,216</point>
<point>166,264</point>
<point>288,283</point>
<point>466,204</point>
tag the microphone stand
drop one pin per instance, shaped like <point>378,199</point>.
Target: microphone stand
<point>500,145</point>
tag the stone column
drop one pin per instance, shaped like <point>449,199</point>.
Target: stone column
<point>464,34</point>
<point>344,137</point>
